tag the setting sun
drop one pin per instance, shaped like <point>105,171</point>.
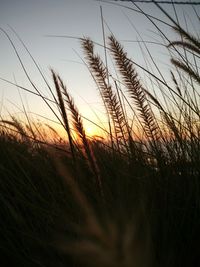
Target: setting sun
<point>91,131</point>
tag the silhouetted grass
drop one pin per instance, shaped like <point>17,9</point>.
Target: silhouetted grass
<point>131,201</point>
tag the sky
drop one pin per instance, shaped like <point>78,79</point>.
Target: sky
<point>35,20</point>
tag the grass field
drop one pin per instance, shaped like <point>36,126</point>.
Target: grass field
<point>129,199</point>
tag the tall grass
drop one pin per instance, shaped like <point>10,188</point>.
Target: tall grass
<point>129,200</point>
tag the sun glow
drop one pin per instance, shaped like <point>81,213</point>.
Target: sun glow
<point>91,131</point>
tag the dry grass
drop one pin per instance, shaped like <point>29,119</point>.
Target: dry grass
<point>122,202</point>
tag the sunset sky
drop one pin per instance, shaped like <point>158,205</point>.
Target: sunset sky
<point>34,20</point>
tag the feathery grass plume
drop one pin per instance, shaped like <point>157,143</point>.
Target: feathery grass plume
<point>17,125</point>
<point>192,42</point>
<point>54,134</point>
<point>110,99</point>
<point>135,89</point>
<point>131,145</point>
<point>78,126</point>
<point>172,125</point>
<point>176,83</point>
<point>184,45</point>
<point>192,45</point>
<point>178,29</point>
<point>179,64</point>
<point>63,112</point>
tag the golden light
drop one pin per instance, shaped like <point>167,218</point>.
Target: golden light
<point>91,131</point>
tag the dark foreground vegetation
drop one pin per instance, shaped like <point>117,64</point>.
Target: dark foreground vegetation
<point>132,199</point>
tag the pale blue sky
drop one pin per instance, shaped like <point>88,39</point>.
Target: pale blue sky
<point>34,19</point>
